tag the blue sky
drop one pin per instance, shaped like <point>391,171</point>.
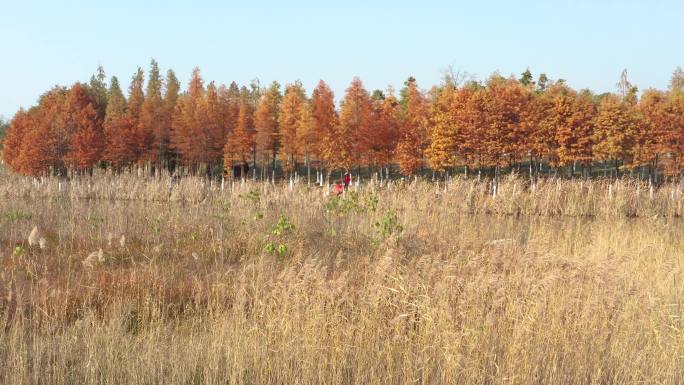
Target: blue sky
<point>44,43</point>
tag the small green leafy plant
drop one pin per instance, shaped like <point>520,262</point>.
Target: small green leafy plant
<point>280,249</point>
<point>283,226</point>
<point>388,225</point>
<point>18,250</point>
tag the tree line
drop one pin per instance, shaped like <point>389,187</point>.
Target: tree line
<point>501,123</point>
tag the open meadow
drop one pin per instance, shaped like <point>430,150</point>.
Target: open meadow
<point>112,280</point>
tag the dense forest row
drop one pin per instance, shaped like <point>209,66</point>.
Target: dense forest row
<point>499,123</point>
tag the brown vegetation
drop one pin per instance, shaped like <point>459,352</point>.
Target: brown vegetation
<point>141,281</point>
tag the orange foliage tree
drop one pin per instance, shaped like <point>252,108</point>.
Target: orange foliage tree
<point>240,143</point>
<point>151,124</point>
<point>616,129</point>
<point>443,151</point>
<point>324,123</point>
<point>266,123</point>
<point>288,120</point>
<point>353,131</point>
<point>85,128</point>
<point>20,126</point>
<point>119,130</point>
<point>306,136</point>
<point>503,122</point>
<point>136,98</point>
<point>46,144</point>
<point>190,134</point>
<point>381,139</point>
<point>572,116</point>
<point>412,129</point>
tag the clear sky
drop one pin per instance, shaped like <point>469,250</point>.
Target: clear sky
<point>588,43</point>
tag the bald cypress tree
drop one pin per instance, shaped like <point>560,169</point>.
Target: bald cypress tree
<point>324,122</point>
<point>240,143</point>
<point>162,138</point>
<point>413,135</point>
<point>97,89</point>
<point>288,120</point>
<point>86,141</point>
<point>118,129</point>
<point>151,117</point>
<point>20,125</point>
<point>266,124</point>
<point>188,136</point>
<point>354,126</point>
<point>136,96</point>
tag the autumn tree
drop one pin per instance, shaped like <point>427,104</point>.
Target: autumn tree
<point>412,130</point>
<point>324,124</point>
<point>97,89</point>
<point>468,114</point>
<point>663,119</point>
<point>214,125</point>
<point>381,139</point>
<point>504,132</point>
<point>227,119</point>
<point>118,129</point>
<point>653,108</point>
<point>306,136</point>
<point>230,104</point>
<point>162,137</point>
<point>288,121</point>
<point>150,125</point>
<point>46,142</point>
<point>442,152</point>
<point>266,124</point>
<point>136,98</point>
<point>673,135</point>
<point>616,130</point>
<point>575,129</point>
<point>188,136</point>
<point>85,128</point>
<point>503,121</point>
<point>240,143</point>
<point>538,120</point>
<point>19,126</point>
<point>354,128</point>
<point>39,151</point>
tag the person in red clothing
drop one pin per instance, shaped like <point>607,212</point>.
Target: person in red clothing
<point>337,189</point>
<point>347,179</point>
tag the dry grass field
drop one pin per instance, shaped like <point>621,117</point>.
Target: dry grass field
<point>137,281</point>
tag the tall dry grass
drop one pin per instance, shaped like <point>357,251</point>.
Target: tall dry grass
<point>563,282</point>
<point>511,196</point>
